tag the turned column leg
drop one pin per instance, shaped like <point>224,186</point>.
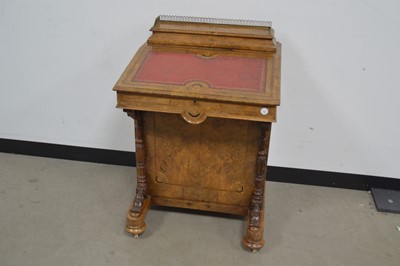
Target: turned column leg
<point>253,239</point>
<point>141,202</point>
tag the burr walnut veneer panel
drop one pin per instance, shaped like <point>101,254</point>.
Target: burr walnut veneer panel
<point>212,163</point>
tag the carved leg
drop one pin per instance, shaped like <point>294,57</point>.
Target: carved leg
<point>253,239</point>
<point>141,203</point>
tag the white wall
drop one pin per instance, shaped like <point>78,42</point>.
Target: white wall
<point>340,75</point>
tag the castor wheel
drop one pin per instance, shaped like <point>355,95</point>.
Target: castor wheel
<point>254,250</point>
<point>135,235</point>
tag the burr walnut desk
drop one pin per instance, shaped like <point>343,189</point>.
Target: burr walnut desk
<point>203,94</point>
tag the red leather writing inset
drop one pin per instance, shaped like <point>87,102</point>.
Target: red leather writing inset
<point>222,72</point>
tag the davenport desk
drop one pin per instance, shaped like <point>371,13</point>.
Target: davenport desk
<point>203,93</point>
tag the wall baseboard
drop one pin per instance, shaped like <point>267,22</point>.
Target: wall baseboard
<point>278,174</point>
<point>67,152</point>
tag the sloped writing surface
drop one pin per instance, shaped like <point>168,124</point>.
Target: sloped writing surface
<point>221,72</point>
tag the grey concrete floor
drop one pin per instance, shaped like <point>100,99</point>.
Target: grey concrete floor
<point>58,212</point>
